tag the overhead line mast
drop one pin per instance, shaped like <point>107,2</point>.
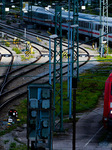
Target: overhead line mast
<point>103,26</point>
<point>105,20</point>
<point>3,9</point>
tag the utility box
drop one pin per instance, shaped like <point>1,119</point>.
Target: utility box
<point>39,116</point>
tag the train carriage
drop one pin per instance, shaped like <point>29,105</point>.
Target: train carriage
<point>89,25</point>
<point>107,113</point>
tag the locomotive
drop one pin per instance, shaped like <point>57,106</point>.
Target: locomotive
<point>107,113</point>
<point>89,25</point>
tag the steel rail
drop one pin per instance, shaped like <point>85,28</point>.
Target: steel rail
<point>7,71</point>
<point>23,93</point>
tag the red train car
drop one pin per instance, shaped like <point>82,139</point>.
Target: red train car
<point>107,112</point>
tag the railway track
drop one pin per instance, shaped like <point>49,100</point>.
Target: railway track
<point>16,85</point>
<point>42,78</point>
<point>8,69</point>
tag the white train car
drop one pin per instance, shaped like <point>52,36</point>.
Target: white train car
<point>89,25</point>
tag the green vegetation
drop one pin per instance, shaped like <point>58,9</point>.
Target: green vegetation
<point>22,111</point>
<point>90,88</point>
<point>7,44</point>
<point>14,21</point>
<point>13,146</point>
<point>8,130</point>
<point>17,50</point>
<point>6,141</point>
<point>104,59</point>
<point>89,48</point>
<point>23,58</point>
<point>8,22</point>
<point>109,50</point>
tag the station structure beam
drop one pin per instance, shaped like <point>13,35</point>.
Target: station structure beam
<point>74,52</point>
<point>30,10</point>
<point>103,26</point>
<point>21,11</point>
<point>57,77</point>
<point>3,9</point>
<point>105,20</point>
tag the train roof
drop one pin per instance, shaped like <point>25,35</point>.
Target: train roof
<point>82,16</point>
<point>93,17</point>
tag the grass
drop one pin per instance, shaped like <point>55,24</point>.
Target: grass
<point>17,50</point>
<point>22,114</point>
<point>104,59</point>
<point>8,130</point>
<point>6,141</point>
<point>22,111</point>
<point>23,58</point>
<point>90,88</point>
<point>13,146</point>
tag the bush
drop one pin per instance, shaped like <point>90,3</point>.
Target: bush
<point>7,44</point>
<point>8,22</point>
<point>17,50</point>
<point>14,21</point>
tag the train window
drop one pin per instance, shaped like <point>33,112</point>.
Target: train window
<point>40,15</point>
<point>34,13</point>
<point>110,29</point>
<point>105,28</point>
<point>49,17</point>
<point>91,26</point>
<point>111,88</point>
<point>26,14</point>
<point>64,20</point>
<point>83,24</point>
<point>79,23</point>
<point>87,25</point>
<point>97,27</point>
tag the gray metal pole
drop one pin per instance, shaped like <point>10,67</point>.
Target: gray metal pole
<point>71,70</point>
<point>3,10</point>
<point>49,61</point>
<point>68,87</point>
<point>21,11</point>
<point>107,28</point>
<point>25,33</point>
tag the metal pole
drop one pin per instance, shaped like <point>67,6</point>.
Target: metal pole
<point>100,28</point>
<point>21,11</point>
<point>25,33</point>
<point>3,9</point>
<point>71,71</point>
<point>61,79</point>
<point>74,87</point>
<point>58,61</point>
<point>68,86</point>
<point>49,61</point>
<point>107,27</point>
<point>101,31</point>
<point>54,85</point>
<point>74,118</point>
<point>71,67</point>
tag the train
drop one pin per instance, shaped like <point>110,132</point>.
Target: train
<point>107,111</point>
<point>89,25</point>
